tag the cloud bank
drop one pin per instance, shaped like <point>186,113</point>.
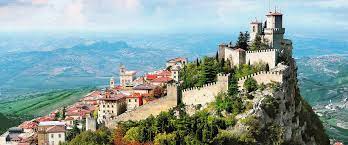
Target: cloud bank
<point>165,15</point>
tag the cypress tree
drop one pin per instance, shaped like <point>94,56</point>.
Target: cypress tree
<point>217,56</point>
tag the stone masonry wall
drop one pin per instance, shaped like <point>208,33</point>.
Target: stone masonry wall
<point>205,94</point>
<point>263,77</point>
<point>267,56</point>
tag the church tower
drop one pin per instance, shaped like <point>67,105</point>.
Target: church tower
<point>274,31</point>
<point>255,30</point>
<point>112,83</point>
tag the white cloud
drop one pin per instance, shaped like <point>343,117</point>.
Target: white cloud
<point>73,15</point>
<point>331,3</point>
<point>174,15</point>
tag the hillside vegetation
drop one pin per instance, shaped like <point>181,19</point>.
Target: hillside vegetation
<point>41,104</point>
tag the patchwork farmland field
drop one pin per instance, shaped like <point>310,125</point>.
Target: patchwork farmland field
<point>43,103</point>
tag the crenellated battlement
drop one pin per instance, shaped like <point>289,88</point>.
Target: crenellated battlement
<point>206,93</point>
<point>264,77</point>
<point>280,73</point>
<point>199,88</point>
<point>265,50</point>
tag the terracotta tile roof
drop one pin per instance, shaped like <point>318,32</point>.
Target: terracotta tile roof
<point>135,95</point>
<point>162,80</point>
<point>55,129</point>
<point>114,97</point>
<point>28,125</point>
<point>144,87</point>
<point>78,112</point>
<point>151,76</point>
<point>178,59</point>
<point>68,118</point>
<point>164,73</point>
<point>44,119</point>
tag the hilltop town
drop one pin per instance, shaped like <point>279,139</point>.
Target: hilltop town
<point>259,70</point>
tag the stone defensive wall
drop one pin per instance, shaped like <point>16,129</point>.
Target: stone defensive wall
<point>206,93</point>
<point>142,112</point>
<point>264,77</point>
<point>267,56</point>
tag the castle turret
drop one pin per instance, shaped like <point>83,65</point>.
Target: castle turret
<point>255,30</point>
<point>274,31</point>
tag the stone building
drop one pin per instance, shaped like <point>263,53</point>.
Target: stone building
<point>112,83</point>
<point>272,34</point>
<point>179,61</point>
<point>126,77</point>
<point>111,105</point>
<point>51,133</point>
<point>144,89</point>
<point>133,101</point>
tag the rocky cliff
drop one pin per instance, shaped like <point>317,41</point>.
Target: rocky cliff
<point>279,115</point>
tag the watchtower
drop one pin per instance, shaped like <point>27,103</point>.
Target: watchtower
<point>274,31</point>
<point>255,30</point>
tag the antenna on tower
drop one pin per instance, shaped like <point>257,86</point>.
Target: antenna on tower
<point>269,5</point>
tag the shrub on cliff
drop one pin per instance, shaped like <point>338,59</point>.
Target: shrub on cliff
<point>250,85</point>
<point>165,139</point>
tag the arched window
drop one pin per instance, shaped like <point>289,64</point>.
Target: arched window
<point>253,28</point>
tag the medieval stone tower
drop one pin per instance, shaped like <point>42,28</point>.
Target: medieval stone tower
<point>274,31</point>
<point>255,30</point>
<point>112,83</point>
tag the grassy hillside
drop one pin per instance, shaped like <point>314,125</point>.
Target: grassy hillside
<point>41,104</point>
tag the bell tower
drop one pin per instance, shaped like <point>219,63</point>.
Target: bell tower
<point>274,31</point>
<point>255,30</point>
<point>112,83</point>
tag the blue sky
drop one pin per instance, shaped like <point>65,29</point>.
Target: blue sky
<point>177,16</point>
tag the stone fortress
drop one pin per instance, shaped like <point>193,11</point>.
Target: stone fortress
<point>271,34</point>
<point>280,50</point>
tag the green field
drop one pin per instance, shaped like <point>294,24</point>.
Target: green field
<point>41,104</point>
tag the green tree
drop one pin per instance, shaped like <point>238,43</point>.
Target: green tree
<point>257,44</point>
<point>233,85</point>
<point>250,85</point>
<point>243,39</point>
<point>73,132</point>
<point>132,134</point>
<point>165,139</point>
<point>63,112</point>
<point>163,122</point>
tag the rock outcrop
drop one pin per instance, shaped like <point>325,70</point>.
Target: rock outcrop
<point>281,113</point>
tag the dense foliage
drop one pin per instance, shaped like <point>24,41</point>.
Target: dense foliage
<point>102,136</point>
<point>257,44</point>
<point>167,128</point>
<point>250,85</point>
<point>242,41</point>
<point>204,71</point>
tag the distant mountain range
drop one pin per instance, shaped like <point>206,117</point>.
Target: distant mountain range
<point>81,65</point>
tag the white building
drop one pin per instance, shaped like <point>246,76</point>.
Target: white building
<point>51,132</point>
<point>56,135</point>
<point>126,77</point>
<point>111,105</point>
